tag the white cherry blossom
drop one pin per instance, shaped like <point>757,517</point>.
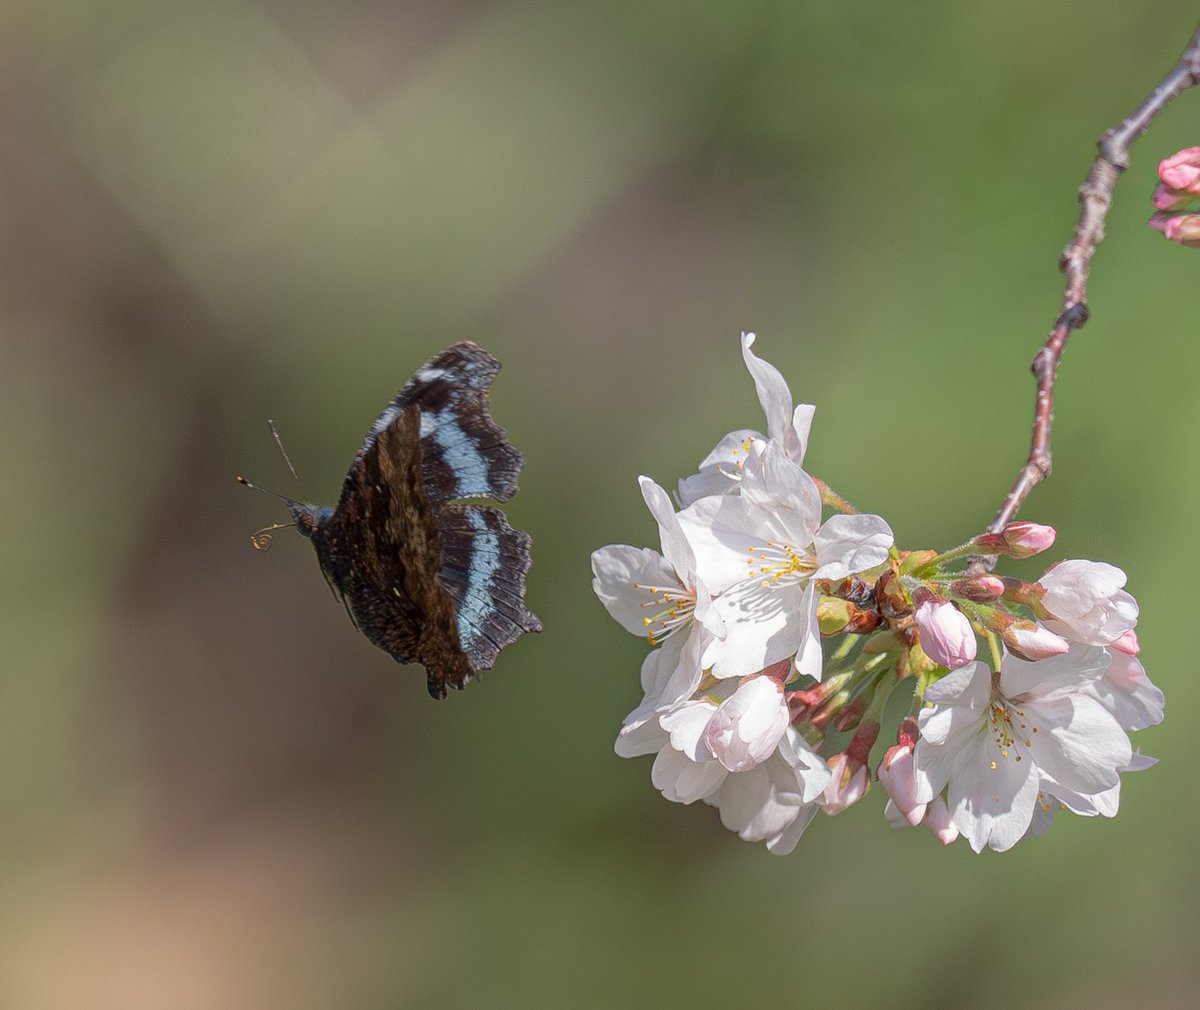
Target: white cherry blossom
<point>761,551</point>
<point>775,801</point>
<point>992,742</point>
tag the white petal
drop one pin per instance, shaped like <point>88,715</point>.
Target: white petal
<point>810,768</point>
<point>992,803</point>
<point>682,780</point>
<point>810,661</point>
<point>670,674</point>
<point>850,544</point>
<point>934,766</point>
<point>743,796</point>
<point>762,626</point>
<point>686,723</point>
<point>617,568</point>
<point>1104,804</point>
<point>675,547</point>
<point>802,419</point>
<point>640,736</point>
<point>721,533</point>
<point>788,498</point>
<point>960,701</point>
<point>775,397</point>
<point>720,472</point>
<point>784,843</point>
<point>1128,693</point>
<point>1068,671</point>
<point>1078,742</point>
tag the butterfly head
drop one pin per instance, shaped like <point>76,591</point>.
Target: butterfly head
<point>308,517</point>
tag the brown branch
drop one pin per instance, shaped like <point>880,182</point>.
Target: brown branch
<point>1095,197</point>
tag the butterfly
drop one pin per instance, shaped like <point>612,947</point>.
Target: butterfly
<point>423,576</point>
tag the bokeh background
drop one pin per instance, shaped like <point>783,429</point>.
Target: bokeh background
<point>216,794</point>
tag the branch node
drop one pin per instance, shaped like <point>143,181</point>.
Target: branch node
<point>1073,317</point>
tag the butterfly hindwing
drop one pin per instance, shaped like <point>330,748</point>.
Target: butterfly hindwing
<point>484,561</point>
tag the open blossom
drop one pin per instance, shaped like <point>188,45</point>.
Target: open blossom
<point>761,551</point>
<point>771,800</point>
<point>775,801</point>
<point>1086,602</point>
<point>994,742</point>
<point>720,470</point>
<point>658,596</point>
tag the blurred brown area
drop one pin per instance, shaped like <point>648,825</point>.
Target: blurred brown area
<point>220,796</point>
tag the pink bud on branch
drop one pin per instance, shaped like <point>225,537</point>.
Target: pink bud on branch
<point>1033,642</point>
<point>946,635</point>
<point>1016,540</point>
<point>1182,170</point>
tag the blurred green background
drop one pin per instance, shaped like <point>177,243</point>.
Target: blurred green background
<point>218,795</point>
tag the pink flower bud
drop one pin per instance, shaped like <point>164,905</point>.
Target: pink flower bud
<point>898,776</point>
<point>1182,169</point>
<point>979,588</point>
<point>946,634</point>
<point>1016,540</point>
<point>1033,642</point>
<point>1026,539</point>
<point>849,784</point>
<point>1127,643</point>
<point>1181,228</point>
<point>938,821</point>
<point>748,725</point>
<point>1166,198</point>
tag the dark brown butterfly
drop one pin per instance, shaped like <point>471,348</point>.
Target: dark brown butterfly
<point>424,578</point>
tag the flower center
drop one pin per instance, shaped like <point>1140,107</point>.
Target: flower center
<point>1011,732</point>
<point>780,564</point>
<point>674,608</point>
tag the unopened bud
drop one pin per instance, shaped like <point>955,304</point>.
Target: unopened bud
<point>851,779</point>
<point>833,615</point>
<point>1166,198</point>
<point>850,716</point>
<point>979,588</point>
<point>946,635</point>
<point>1182,169</point>
<point>1181,228</point>
<point>939,821</point>
<point>1033,642</point>
<point>1016,540</point>
<point>892,598</point>
<point>849,784</point>
<point>898,776</point>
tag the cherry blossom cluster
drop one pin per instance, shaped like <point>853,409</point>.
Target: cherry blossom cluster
<point>781,620</point>
<point>1177,216</point>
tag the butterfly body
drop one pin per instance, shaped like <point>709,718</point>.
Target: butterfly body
<point>427,579</point>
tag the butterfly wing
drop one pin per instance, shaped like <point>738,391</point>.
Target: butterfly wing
<point>464,452</point>
<point>440,584</point>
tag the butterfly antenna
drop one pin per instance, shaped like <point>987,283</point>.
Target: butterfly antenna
<point>261,539</point>
<point>273,494</point>
<point>282,450</point>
